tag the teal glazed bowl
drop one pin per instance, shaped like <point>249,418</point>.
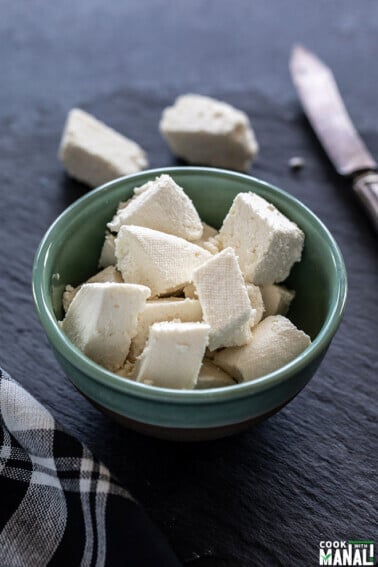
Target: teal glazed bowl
<point>69,252</point>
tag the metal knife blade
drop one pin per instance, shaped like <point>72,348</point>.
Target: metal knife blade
<point>327,114</point>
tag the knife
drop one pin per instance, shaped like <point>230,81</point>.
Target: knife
<point>329,118</point>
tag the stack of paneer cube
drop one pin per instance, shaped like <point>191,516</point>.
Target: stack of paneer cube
<point>180,305</point>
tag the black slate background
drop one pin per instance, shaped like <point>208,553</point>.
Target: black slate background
<point>266,497</point>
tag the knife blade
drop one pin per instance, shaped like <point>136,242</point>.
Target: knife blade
<point>329,118</point>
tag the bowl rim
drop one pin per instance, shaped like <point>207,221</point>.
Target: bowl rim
<point>110,380</point>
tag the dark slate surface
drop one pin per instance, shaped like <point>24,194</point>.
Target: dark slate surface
<point>266,497</point>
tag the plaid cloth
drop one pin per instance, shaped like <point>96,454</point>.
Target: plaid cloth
<point>58,506</point>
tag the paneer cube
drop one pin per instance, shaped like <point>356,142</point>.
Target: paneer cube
<point>277,299</point>
<point>211,376</point>
<point>173,355</point>
<point>163,206</point>
<point>102,319</point>
<point>167,309</point>
<point>108,275</point>
<point>275,342</point>
<point>163,262</point>
<point>94,153</point>
<point>107,256</point>
<point>266,242</point>
<point>203,130</point>
<point>224,300</point>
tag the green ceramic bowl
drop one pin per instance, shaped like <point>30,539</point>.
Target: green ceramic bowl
<point>68,254</point>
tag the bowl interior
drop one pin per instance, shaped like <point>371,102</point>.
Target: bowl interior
<point>76,239</point>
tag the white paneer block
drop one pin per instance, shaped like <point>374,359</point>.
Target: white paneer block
<point>266,242</point>
<point>102,319</point>
<point>275,342</point>
<point>107,256</point>
<point>277,299</point>
<point>109,274</point>
<point>94,153</point>
<point>163,206</point>
<point>173,355</point>
<point>211,376</point>
<point>203,130</point>
<point>163,262</point>
<point>257,303</point>
<point>209,239</point>
<point>168,309</point>
<point>224,300</point>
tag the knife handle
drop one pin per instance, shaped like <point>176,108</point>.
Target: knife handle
<point>365,186</point>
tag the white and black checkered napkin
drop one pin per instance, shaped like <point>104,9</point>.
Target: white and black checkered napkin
<point>58,506</point>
